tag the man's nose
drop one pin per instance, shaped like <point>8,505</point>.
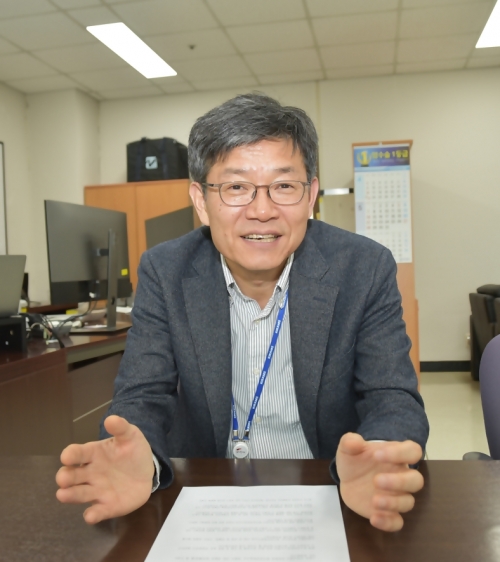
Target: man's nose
<point>262,207</point>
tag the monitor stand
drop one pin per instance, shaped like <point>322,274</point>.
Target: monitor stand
<point>112,325</point>
<point>92,329</point>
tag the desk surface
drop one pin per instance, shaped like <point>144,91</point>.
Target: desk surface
<point>78,348</point>
<point>456,517</point>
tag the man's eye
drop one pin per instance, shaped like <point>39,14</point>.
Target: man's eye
<point>283,186</point>
<point>236,187</point>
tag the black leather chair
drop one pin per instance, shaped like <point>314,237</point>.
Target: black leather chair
<point>484,322</point>
<point>496,306</point>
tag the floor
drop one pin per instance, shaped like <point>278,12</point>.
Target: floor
<point>453,406</point>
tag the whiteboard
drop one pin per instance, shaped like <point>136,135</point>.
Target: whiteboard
<point>3,211</point>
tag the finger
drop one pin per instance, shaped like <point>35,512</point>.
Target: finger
<point>351,444</point>
<point>96,513</point>
<point>405,452</point>
<point>386,521</point>
<point>409,480</point>
<point>119,428</point>
<point>77,494</point>
<point>398,504</point>
<point>78,454</point>
<point>71,476</point>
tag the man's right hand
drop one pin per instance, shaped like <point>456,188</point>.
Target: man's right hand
<point>115,475</point>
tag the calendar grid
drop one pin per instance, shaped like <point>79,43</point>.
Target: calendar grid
<point>383,198</point>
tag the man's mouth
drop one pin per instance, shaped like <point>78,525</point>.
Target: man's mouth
<point>261,237</point>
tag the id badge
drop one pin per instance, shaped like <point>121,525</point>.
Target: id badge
<point>240,450</point>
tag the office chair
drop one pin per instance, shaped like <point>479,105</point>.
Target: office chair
<point>489,374</point>
<point>484,322</point>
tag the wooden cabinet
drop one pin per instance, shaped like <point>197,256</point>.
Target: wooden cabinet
<point>50,397</point>
<point>35,409</point>
<point>141,201</point>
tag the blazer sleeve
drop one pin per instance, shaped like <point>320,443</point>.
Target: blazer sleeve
<point>389,405</point>
<point>146,385</point>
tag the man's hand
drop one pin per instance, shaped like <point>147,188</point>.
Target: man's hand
<point>375,480</point>
<point>115,475</point>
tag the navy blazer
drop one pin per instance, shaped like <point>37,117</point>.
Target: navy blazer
<point>352,370</point>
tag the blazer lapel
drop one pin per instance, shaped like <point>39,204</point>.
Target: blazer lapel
<point>207,307</point>
<point>313,293</point>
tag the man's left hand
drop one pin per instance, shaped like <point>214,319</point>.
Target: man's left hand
<point>375,479</point>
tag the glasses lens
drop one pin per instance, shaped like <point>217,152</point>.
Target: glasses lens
<point>286,192</point>
<point>237,193</point>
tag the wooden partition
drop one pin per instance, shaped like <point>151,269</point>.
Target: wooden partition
<point>406,283</point>
<point>141,201</point>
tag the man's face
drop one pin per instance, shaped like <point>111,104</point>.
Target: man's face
<point>261,164</point>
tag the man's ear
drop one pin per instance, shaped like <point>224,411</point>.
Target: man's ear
<point>198,199</point>
<point>313,194</point>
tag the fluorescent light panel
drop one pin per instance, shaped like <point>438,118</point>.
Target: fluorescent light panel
<point>490,37</point>
<point>125,43</point>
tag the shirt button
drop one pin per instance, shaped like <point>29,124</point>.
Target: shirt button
<point>258,419</point>
<point>257,321</point>
<point>256,372</point>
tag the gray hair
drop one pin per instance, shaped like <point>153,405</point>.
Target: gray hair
<point>249,119</point>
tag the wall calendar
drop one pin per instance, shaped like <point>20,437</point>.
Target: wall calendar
<point>383,198</point>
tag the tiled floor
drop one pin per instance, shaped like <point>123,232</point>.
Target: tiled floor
<point>453,406</point>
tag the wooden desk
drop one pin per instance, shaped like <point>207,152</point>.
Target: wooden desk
<point>456,517</point>
<point>52,397</point>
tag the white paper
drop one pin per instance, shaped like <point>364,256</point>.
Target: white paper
<point>254,523</point>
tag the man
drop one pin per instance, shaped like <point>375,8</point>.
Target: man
<point>263,308</point>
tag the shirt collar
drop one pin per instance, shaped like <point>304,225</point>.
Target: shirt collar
<point>282,283</point>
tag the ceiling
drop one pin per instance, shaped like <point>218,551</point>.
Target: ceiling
<point>215,44</point>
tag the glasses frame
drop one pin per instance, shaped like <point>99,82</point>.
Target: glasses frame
<point>219,187</point>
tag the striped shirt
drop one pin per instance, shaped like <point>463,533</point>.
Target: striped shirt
<point>276,431</point>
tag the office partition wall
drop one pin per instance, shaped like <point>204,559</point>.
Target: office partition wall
<point>3,211</point>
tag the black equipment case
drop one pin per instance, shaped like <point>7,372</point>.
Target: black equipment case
<point>156,159</point>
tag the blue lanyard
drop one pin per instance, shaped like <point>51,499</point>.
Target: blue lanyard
<point>263,376</point>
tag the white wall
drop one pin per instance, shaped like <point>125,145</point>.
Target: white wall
<point>63,148</point>
<point>454,121</point>
<point>173,116</point>
<point>13,135</point>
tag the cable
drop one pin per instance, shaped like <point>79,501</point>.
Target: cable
<point>47,324</point>
<point>55,329</point>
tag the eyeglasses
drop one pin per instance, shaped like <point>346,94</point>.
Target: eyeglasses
<point>241,193</point>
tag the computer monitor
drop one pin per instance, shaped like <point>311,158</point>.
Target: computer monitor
<point>11,278</point>
<point>169,226</point>
<point>88,257</point>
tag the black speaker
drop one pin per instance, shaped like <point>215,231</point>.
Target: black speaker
<point>13,334</point>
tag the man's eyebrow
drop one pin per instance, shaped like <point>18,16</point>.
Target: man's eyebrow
<point>241,171</point>
<point>238,171</point>
<point>285,170</point>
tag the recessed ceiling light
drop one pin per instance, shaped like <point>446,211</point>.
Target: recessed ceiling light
<point>125,43</point>
<point>490,37</point>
